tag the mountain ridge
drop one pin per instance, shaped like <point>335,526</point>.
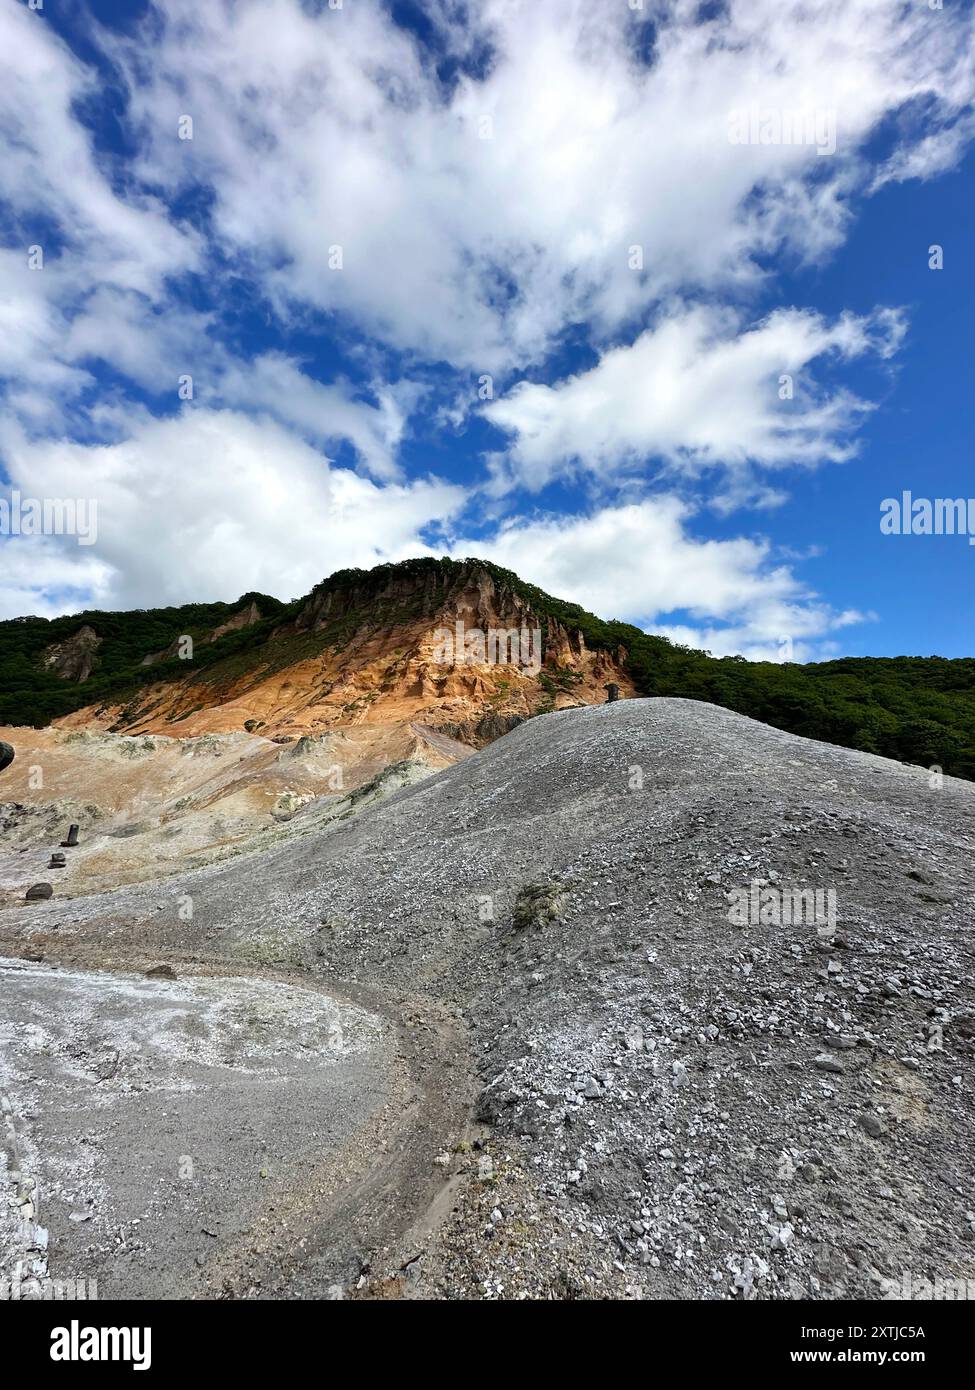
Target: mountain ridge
<point>915,709</point>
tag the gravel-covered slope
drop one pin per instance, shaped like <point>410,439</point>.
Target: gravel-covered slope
<point>680,1102</point>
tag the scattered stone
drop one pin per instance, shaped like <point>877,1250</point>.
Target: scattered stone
<point>826,1062</point>
<point>161,972</point>
<point>39,892</point>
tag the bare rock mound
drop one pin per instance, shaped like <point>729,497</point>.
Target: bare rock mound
<point>717,982</point>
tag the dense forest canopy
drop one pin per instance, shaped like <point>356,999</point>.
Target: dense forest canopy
<point>916,709</point>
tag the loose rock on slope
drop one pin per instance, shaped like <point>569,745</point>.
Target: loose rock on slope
<point>676,1103</point>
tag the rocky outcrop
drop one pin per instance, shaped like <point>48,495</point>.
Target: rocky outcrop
<point>469,593</point>
<point>73,659</point>
<point>244,617</point>
<point>458,649</point>
<point>478,732</point>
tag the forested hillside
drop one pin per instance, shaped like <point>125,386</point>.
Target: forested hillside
<point>916,709</point>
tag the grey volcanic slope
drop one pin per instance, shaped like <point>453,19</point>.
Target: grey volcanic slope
<point>675,1104</point>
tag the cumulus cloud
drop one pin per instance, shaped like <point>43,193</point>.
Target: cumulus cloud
<point>205,506</point>
<point>641,563</point>
<point>695,392</point>
<point>104,290</point>
<point>322,413</point>
<point>44,577</point>
<point>211,503</point>
<point>771,631</point>
<point>52,340</point>
<point>554,173</point>
<point>478,219</point>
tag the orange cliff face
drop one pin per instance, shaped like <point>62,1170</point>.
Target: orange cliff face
<point>418,651</point>
<point>365,690</point>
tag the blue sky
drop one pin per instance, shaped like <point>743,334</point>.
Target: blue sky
<point>517,279</point>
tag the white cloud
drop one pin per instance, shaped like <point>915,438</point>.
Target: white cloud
<point>772,631</point>
<point>212,503</point>
<point>32,326</point>
<point>207,505</point>
<point>49,171</point>
<point>641,564</point>
<point>44,577</point>
<point>695,392</point>
<point>103,293</point>
<point>324,414</point>
<point>52,338</point>
<point>936,153</point>
<point>317,129</point>
<point>331,127</point>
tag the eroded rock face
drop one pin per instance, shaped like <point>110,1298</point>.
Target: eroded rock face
<point>364,680</point>
<point>74,659</point>
<point>244,617</point>
<point>387,653</point>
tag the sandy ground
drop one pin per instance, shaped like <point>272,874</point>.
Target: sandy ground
<point>150,1123</point>
<point>153,805</point>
